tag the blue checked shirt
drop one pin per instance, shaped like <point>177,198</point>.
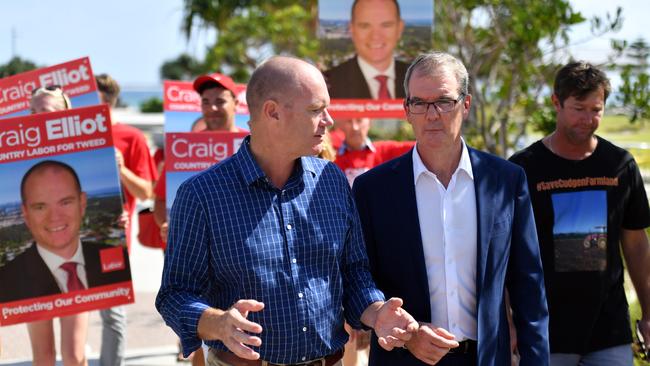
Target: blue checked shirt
<point>299,250</point>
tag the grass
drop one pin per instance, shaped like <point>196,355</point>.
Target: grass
<point>625,134</point>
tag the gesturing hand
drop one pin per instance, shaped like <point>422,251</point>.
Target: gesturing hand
<point>393,325</point>
<point>230,327</point>
<point>430,344</point>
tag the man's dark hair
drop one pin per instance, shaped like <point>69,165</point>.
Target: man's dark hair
<point>44,165</point>
<point>579,79</point>
<point>109,88</point>
<point>354,4</point>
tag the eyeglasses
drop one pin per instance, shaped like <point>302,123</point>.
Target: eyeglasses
<point>441,106</point>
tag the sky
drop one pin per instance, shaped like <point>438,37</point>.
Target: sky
<point>131,39</point>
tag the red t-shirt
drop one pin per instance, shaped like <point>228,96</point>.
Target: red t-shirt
<point>133,146</point>
<point>356,162</point>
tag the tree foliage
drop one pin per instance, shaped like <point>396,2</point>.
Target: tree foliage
<point>249,31</point>
<point>15,66</point>
<point>183,67</point>
<point>511,49</point>
<point>631,59</point>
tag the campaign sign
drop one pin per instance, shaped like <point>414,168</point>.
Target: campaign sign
<point>74,77</point>
<point>368,108</point>
<point>182,107</point>
<point>189,153</point>
<point>62,248</point>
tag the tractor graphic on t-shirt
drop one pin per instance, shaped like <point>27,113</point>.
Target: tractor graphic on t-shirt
<point>594,240</point>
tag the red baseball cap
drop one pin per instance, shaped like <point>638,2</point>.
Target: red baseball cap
<point>223,80</point>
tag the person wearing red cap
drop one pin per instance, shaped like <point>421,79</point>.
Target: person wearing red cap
<point>218,106</point>
<point>137,174</point>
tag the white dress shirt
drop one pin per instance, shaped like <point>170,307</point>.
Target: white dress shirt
<point>449,239</point>
<point>369,72</point>
<point>54,263</point>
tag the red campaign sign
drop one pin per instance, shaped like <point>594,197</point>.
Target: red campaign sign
<point>48,307</point>
<point>180,96</point>
<point>195,151</point>
<point>76,77</point>
<point>368,108</point>
<point>54,133</point>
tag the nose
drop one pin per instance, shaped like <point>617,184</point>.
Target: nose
<point>327,120</point>
<point>432,112</point>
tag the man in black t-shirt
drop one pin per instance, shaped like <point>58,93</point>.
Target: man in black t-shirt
<point>588,197</point>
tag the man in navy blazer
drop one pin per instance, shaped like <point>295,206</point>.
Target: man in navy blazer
<point>450,230</point>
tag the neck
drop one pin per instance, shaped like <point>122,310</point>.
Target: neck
<point>442,162</point>
<point>562,146</point>
<point>275,165</point>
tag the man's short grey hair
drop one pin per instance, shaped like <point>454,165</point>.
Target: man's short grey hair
<point>429,63</point>
<point>277,78</point>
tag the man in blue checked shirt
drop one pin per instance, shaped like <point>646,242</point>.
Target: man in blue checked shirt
<point>265,258</point>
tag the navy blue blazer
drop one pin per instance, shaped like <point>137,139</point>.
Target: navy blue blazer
<point>507,256</point>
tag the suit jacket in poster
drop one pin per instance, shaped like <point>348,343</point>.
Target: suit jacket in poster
<point>346,81</point>
<point>28,276</point>
<point>507,256</point>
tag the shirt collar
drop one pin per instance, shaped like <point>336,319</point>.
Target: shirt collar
<point>369,71</point>
<point>252,171</point>
<point>367,145</point>
<point>464,164</point>
<point>54,261</point>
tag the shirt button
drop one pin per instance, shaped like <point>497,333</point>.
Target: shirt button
<point>289,226</point>
<point>294,260</point>
<point>304,329</point>
<point>303,358</point>
<point>300,295</point>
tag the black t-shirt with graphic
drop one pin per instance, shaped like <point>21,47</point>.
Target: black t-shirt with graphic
<point>580,207</point>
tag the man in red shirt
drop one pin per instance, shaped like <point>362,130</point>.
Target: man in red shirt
<point>357,154</point>
<point>137,174</point>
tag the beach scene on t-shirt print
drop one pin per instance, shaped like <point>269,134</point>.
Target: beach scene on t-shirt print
<point>580,231</point>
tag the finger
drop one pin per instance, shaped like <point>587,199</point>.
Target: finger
<point>248,305</point>
<point>244,338</point>
<point>412,326</point>
<point>401,334</point>
<point>241,351</point>
<point>444,333</point>
<point>238,321</point>
<point>384,344</point>
<point>441,341</point>
<point>394,303</point>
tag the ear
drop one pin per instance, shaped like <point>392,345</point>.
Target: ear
<point>84,201</point>
<point>271,110</point>
<point>467,104</point>
<point>556,102</point>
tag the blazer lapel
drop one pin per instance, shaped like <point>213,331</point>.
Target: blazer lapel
<point>406,206</point>
<point>484,215</point>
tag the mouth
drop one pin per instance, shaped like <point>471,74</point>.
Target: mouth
<point>55,229</point>
<point>376,46</point>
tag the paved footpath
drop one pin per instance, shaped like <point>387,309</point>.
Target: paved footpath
<point>149,340</point>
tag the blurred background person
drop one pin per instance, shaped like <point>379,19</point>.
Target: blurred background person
<point>74,328</point>
<point>137,173</point>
